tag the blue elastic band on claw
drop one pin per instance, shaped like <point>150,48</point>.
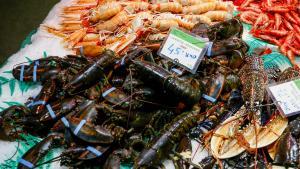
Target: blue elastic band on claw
<point>22,73</point>
<point>123,60</point>
<point>26,163</point>
<point>50,110</point>
<point>36,63</point>
<point>108,91</point>
<point>65,121</point>
<point>208,53</point>
<point>177,71</point>
<point>82,122</point>
<point>209,98</point>
<point>94,151</point>
<point>40,102</point>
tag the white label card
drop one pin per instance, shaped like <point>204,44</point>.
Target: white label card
<point>184,49</point>
<point>287,96</point>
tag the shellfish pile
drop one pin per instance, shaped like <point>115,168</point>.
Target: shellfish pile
<point>95,25</point>
<point>142,109</point>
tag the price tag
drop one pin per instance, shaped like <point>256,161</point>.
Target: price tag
<point>184,49</point>
<point>286,96</point>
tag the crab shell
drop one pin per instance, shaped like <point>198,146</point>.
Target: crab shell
<point>223,145</point>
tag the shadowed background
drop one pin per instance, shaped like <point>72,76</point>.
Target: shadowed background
<point>18,19</point>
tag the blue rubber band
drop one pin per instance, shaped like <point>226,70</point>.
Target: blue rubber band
<point>177,71</point>
<point>108,91</point>
<point>94,151</point>
<point>123,60</point>
<point>65,121</point>
<point>36,63</point>
<point>82,122</point>
<point>209,98</point>
<point>50,110</point>
<point>40,102</point>
<point>26,163</point>
<point>22,73</point>
<point>208,53</point>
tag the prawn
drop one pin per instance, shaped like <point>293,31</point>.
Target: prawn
<point>110,25</point>
<point>104,12</point>
<point>136,5</point>
<point>199,9</point>
<point>198,18</point>
<point>226,6</point>
<point>218,15</point>
<point>193,2</point>
<point>75,37</point>
<point>164,24</point>
<point>173,7</point>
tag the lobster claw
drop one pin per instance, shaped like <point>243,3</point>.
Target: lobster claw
<point>90,75</point>
<point>59,108</point>
<point>86,153</point>
<point>9,117</point>
<point>38,151</point>
<point>39,70</point>
<point>92,134</point>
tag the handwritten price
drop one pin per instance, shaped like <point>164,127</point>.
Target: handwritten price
<point>176,50</point>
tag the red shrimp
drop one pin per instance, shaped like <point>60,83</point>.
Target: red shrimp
<point>291,56</point>
<point>277,33</point>
<point>246,3</point>
<point>250,9</point>
<point>286,43</point>
<point>288,25</point>
<point>296,16</point>
<point>248,16</point>
<point>296,51</point>
<point>297,36</point>
<point>297,28</point>
<point>278,9</point>
<point>278,20</point>
<point>261,19</point>
<point>267,38</point>
<point>290,18</point>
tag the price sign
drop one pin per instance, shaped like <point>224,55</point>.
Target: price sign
<point>184,49</point>
<point>287,96</point>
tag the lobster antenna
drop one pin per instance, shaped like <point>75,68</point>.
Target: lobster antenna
<point>131,93</point>
<point>49,161</point>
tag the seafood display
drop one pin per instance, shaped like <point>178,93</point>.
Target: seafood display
<point>142,109</point>
<point>91,26</point>
<point>277,22</point>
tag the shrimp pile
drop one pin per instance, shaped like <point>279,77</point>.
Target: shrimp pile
<point>93,26</point>
<point>275,21</point>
